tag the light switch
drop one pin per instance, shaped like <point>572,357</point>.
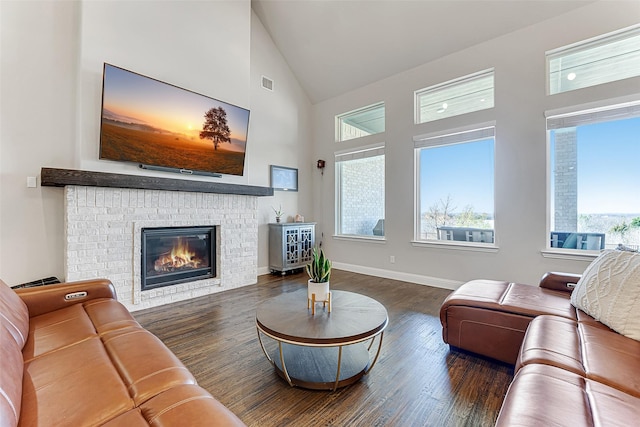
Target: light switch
<point>31,182</point>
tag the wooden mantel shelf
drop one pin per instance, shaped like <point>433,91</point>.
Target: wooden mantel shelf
<point>51,177</point>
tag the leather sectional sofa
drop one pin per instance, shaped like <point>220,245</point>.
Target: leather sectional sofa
<point>71,355</point>
<point>570,369</point>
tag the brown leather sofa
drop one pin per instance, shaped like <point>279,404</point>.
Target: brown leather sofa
<point>570,369</point>
<point>71,355</point>
<point>490,318</point>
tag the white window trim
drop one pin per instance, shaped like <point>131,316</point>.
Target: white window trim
<point>355,237</point>
<point>576,255</point>
<point>448,137</point>
<point>580,116</point>
<point>361,152</point>
<point>455,135</point>
<point>458,246</point>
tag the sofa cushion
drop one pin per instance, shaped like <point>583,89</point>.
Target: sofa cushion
<point>609,290</point>
<point>144,363</point>
<point>14,315</point>
<point>543,395</point>
<point>185,405</point>
<point>57,329</point>
<point>188,405</point>
<point>490,317</point>
<point>594,352</point>
<point>75,385</point>
<point>11,378</point>
<point>108,315</point>
<point>512,298</point>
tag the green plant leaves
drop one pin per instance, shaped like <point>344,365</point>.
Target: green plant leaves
<point>319,270</point>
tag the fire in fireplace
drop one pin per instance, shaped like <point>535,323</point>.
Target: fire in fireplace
<point>173,255</point>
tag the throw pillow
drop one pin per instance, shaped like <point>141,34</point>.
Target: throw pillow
<point>609,291</point>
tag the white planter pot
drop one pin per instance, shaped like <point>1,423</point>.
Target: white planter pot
<point>320,289</point>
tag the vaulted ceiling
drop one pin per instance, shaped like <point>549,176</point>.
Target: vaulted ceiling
<point>335,46</point>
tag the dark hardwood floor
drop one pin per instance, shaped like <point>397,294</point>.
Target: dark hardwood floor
<point>417,381</point>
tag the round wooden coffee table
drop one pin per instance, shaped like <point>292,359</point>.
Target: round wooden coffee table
<point>325,350</point>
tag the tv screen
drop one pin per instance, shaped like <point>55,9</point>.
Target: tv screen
<point>158,124</point>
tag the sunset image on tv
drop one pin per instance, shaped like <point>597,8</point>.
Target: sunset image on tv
<point>154,123</point>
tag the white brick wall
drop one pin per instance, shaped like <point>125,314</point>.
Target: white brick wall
<point>103,229</point>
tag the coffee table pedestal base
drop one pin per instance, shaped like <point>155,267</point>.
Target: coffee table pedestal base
<point>316,368</point>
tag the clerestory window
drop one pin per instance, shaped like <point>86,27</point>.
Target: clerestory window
<point>464,95</point>
<point>614,56</point>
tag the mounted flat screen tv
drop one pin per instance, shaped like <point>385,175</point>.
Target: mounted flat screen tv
<point>162,126</point>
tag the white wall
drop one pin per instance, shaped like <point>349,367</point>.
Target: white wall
<point>521,152</point>
<point>50,79</point>
<point>280,134</point>
<point>38,54</point>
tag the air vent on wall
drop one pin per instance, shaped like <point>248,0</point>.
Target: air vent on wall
<point>267,83</point>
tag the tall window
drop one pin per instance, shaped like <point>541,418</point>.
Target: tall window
<point>360,192</point>
<point>362,122</point>
<point>454,182</point>
<point>612,57</point>
<point>455,97</point>
<point>594,158</point>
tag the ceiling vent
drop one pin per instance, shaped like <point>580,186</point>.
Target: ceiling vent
<point>267,83</point>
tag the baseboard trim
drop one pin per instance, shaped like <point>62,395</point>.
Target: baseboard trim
<point>389,274</point>
<point>263,270</point>
<point>398,275</point>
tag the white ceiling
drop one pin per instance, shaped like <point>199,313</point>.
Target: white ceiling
<point>334,46</point>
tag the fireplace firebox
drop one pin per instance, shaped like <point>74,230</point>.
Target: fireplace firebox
<point>172,255</point>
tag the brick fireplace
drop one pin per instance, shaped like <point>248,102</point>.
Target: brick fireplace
<point>103,229</point>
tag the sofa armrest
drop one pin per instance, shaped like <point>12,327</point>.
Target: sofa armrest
<point>44,299</point>
<point>559,281</point>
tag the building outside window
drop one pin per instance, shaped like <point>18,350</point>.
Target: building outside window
<point>469,93</point>
<point>614,56</point>
<point>595,200</point>
<point>360,192</point>
<point>455,186</point>
<point>361,122</point>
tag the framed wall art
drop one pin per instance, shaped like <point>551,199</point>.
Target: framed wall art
<point>284,179</point>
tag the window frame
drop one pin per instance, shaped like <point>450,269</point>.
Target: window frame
<point>362,151</point>
<point>453,137</point>
<point>448,85</point>
<point>371,107</point>
<point>578,115</point>
<point>583,46</point>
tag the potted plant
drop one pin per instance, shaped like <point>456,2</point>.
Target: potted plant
<point>319,271</point>
<point>278,212</point>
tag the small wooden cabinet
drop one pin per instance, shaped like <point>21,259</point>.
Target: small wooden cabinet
<point>290,245</point>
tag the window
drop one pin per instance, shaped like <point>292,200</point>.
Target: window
<point>595,202</point>
<point>612,57</point>
<point>454,174</point>
<point>360,192</point>
<point>362,122</point>
<point>455,97</point>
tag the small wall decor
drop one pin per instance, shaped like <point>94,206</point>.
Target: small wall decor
<point>284,179</point>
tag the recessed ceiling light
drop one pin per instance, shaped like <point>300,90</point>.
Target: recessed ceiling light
<point>571,76</point>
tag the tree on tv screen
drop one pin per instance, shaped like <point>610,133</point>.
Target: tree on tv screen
<point>215,127</point>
